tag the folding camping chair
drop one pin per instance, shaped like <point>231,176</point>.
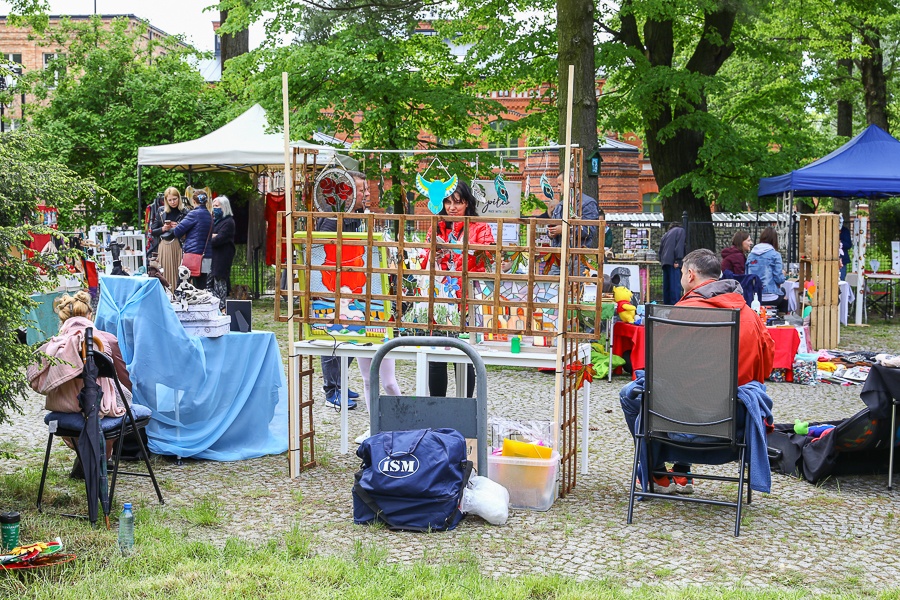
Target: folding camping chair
<point>690,404</point>
<point>71,425</point>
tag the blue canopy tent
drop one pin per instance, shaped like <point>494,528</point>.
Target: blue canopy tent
<point>868,166</point>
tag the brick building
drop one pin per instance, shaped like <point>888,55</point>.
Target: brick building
<point>24,54</point>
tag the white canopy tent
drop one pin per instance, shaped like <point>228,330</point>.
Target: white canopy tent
<point>241,146</point>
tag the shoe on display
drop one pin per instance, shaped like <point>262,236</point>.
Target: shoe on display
<point>334,399</point>
<point>364,436</point>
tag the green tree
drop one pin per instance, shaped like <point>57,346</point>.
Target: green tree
<point>109,91</point>
<point>368,75</point>
<point>26,178</point>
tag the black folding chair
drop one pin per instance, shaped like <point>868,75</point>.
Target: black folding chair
<point>690,407</point>
<point>71,425</point>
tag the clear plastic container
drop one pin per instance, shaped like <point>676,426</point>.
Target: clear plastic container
<point>532,482</point>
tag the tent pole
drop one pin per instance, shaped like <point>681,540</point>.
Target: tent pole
<point>140,201</point>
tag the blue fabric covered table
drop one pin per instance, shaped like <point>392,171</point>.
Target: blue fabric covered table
<point>214,398</point>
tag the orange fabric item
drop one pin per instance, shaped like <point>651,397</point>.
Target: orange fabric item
<point>756,348</point>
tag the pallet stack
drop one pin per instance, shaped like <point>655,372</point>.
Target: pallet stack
<point>820,262</point>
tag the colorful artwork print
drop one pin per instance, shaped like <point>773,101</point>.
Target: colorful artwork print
<point>515,317</point>
<point>324,253</point>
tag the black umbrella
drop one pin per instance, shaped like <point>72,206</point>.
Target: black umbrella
<point>91,443</point>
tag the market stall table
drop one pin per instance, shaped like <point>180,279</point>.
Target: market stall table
<point>627,337</point>
<point>886,299</point>
<point>845,297</point>
<point>491,355</point>
<point>219,398</point>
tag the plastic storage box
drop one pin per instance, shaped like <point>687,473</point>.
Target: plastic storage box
<point>532,482</point>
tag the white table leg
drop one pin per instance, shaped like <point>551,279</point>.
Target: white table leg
<point>421,374</point>
<point>344,410</point>
<point>462,374</point>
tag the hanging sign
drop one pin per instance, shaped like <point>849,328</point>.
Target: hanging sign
<point>502,199</point>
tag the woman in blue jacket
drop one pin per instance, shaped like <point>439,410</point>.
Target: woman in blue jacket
<point>765,262</point>
<point>196,228</point>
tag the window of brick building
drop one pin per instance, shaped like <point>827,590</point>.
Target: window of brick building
<point>49,59</point>
<point>502,140</point>
<point>651,203</point>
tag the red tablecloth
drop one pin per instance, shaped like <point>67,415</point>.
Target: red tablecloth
<point>629,337</point>
<point>787,341</point>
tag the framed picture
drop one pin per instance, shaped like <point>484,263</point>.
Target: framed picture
<point>628,276</point>
<point>324,253</point>
<point>513,306</point>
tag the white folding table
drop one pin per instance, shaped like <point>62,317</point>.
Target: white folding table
<point>490,353</point>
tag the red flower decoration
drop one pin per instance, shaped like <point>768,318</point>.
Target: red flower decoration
<point>327,186</point>
<point>344,191</point>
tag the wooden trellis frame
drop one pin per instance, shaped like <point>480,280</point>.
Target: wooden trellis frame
<point>570,308</point>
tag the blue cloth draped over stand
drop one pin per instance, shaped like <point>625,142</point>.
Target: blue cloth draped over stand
<point>219,398</point>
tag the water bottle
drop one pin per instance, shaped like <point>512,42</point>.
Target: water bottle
<point>754,306</point>
<point>126,529</point>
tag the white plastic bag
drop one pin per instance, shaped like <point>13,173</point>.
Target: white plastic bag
<point>487,499</point>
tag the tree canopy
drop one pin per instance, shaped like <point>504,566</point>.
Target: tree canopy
<point>27,178</point>
<point>111,90</point>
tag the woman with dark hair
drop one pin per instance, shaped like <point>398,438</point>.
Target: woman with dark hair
<point>459,204</point>
<point>765,262</point>
<point>734,257</point>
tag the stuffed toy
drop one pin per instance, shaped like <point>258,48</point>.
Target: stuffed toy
<point>624,308</point>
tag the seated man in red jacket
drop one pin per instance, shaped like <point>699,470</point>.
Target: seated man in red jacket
<point>700,272</point>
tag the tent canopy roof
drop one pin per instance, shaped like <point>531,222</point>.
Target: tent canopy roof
<point>868,166</point>
<point>243,145</point>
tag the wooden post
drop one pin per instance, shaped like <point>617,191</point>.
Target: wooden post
<point>293,359</point>
<point>563,266</point>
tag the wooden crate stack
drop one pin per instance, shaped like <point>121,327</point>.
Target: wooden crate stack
<point>820,263</point>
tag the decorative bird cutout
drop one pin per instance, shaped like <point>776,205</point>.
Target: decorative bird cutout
<point>546,188</point>
<point>502,192</point>
<point>436,190</point>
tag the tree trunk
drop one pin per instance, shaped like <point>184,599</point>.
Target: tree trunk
<point>575,35</point>
<point>873,79</point>
<point>232,45</point>
<point>845,105</point>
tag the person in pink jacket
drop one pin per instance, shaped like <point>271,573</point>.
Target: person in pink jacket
<point>60,380</point>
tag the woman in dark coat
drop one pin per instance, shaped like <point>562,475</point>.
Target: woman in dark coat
<point>734,257</point>
<point>222,248</point>
<point>196,228</point>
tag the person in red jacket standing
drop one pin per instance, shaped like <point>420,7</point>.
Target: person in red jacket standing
<point>734,257</point>
<point>459,204</point>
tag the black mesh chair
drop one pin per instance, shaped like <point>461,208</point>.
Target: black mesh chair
<point>71,425</point>
<point>690,410</point>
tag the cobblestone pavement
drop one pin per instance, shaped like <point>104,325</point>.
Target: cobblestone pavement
<point>839,535</point>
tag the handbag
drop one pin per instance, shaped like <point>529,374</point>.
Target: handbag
<point>195,262</point>
<point>192,261</point>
